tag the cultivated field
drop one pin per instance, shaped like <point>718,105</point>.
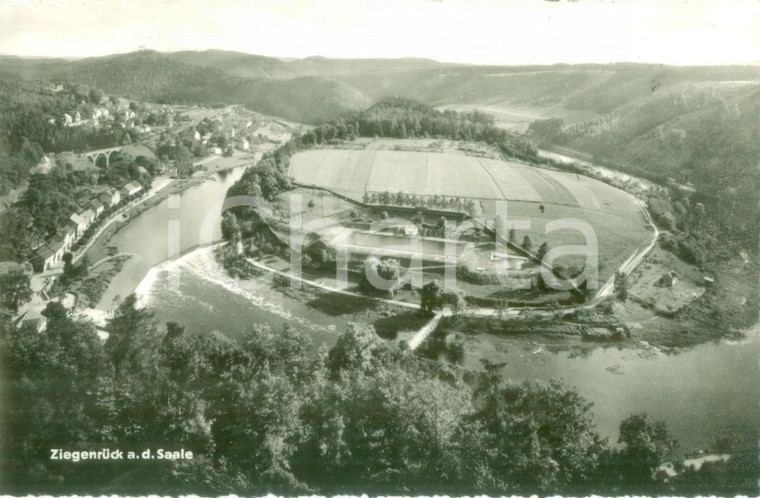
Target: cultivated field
<point>354,172</point>
<point>614,215</point>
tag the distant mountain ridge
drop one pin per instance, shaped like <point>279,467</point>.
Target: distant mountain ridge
<point>697,124</point>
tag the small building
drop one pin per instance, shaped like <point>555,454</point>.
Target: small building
<point>130,189</point>
<point>33,319</point>
<point>59,242</point>
<point>43,259</point>
<point>90,216</point>
<point>670,279</point>
<point>79,223</point>
<point>67,120</point>
<point>245,145</point>
<point>57,245</point>
<point>411,230</point>
<point>511,261</point>
<point>66,234</point>
<point>197,136</point>
<point>708,281</point>
<point>82,202</point>
<point>109,197</point>
<point>96,206</point>
<point>216,151</point>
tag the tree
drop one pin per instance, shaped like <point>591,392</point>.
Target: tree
<point>647,445</point>
<point>131,334</point>
<point>230,227</point>
<point>499,228</point>
<point>354,349</point>
<point>95,96</point>
<point>542,250</point>
<point>389,269</point>
<point>430,297</point>
<point>622,285</point>
<point>14,289</point>
<point>527,245</point>
<point>524,438</point>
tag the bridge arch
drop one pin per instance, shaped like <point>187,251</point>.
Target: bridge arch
<point>93,155</point>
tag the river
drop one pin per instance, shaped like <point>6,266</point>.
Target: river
<point>698,392</point>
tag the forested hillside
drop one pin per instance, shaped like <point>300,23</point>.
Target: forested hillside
<point>160,78</point>
<point>268,414</point>
<point>707,134</point>
<point>257,66</point>
<point>692,124</point>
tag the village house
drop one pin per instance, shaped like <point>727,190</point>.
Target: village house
<point>79,224</point>
<point>90,216</point>
<point>82,202</point>
<point>49,255</point>
<point>130,189</point>
<point>68,234</point>
<point>109,197</point>
<point>96,206</point>
<point>43,259</point>
<point>57,244</point>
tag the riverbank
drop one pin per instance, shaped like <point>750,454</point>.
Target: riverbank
<point>99,248</point>
<point>146,232</point>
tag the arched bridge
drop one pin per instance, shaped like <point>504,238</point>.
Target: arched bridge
<point>93,155</point>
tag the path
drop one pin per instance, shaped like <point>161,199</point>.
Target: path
<point>427,329</point>
<point>632,262</point>
<point>159,185</point>
<point>328,288</point>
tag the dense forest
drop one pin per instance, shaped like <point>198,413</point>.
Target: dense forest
<point>26,133</point>
<point>707,135</point>
<point>269,413</point>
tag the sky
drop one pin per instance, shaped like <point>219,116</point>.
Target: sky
<point>510,32</point>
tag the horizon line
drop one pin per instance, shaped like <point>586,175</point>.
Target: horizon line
<point>286,59</point>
